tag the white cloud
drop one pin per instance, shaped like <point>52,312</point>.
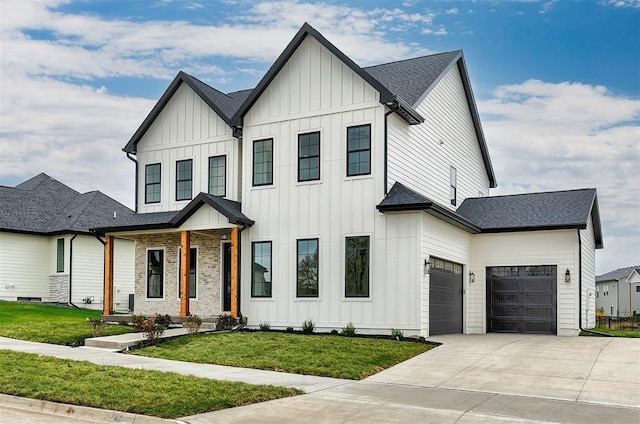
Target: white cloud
<point>545,136</point>
<point>622,3</point>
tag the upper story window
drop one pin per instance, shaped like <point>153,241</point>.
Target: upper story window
<point>263,162</point>
<point>453,183</point>
<point>184,179</point>
<point>359,150</point>
<point>307,268</point>
<point>309,156</point>
<point>152,183</point>
<point>60,255</point>
<point>218,176</point>
<point>261,275</point>
<point>155,274</point>
<point>356,269</point>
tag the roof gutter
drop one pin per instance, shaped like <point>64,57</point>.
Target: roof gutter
<point>136,188</point>
<point>597,333</point>
<point>393,107</point>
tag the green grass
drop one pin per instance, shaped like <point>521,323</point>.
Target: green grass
<point>155,393</point>
<point>323,355</point>
<point>615,332</point>
<point>50,324</point>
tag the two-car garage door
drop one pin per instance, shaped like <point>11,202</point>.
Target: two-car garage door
<point>522,299</point>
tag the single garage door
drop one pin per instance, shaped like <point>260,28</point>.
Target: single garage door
<point>445,297</point>
<point>521,299</point>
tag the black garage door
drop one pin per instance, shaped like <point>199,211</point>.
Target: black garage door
<point>521,299</point>
<point>445,297</point>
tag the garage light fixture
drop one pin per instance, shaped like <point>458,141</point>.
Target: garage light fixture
<point>427,267</point>
<point>567,276</point>
<point>472,277</point>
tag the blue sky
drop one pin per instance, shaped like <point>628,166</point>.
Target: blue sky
<point>557,82</point>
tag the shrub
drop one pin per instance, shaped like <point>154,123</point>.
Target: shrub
<point>349,330</point>
<point>265,326</point>
<point>225,322</point>
<point>136,321</point>
<point>334,332</point>
<point>153,329</point>
<point>96,325</point>
<point>289,330</point>
<point>193,323</point>
<point>397,334</point>
<point>163,320</point>
<point>308,326</point>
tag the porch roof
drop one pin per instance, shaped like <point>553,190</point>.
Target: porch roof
<point>174,219</point>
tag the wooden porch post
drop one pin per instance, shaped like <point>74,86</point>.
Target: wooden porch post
<point>107,305</point>
<point>234,272</point>
<point>185,253</point>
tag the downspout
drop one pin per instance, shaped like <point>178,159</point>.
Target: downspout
<point>392,109</point>
<point>580,292</point>
<point>71,270</point>
<point>136,189</point>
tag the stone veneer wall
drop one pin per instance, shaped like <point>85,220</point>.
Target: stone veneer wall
<point>59,288</point>
<point>208,274</point>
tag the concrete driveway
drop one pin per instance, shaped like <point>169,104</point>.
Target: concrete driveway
<point>586,369</point>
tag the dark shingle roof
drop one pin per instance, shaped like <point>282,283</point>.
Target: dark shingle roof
<point>43,205</point>
<point>618,273</point>
<point>161,220</point>
<point>535,211</point>
<point>412,78</point>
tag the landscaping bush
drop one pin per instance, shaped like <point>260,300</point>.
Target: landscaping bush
<point>397,334</point>
<point>193,323</point>
<point>96,326</point>
<point>225,322</point>
<point>265,326</point>
<point>349,330</point>
<point>153,328</point>
<point>308,326</point>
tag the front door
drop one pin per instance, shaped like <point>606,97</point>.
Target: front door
<point>226,277</point>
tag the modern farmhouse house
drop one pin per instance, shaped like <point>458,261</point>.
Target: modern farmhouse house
<point>344,194</point>
<point>48,253</point>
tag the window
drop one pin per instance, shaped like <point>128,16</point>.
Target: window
<point>637,289</point>
<point>263,162</point>
<point>155,274</point>
<point>152,183</point>
<point>309,156</point>
<point>307,272</point>
<point>193,261</point>
<point>184,171</point>
<point>453,181</point>
<point>218,176</point>
<point>359,150</point>
<point>261,276</point>
<point>60,255</point>
<point>357,266</point>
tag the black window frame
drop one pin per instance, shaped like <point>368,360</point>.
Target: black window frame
<point>269,163</point>
<point>60,255</point>
<point>358,151</point>
<point>268,284</point>
<point>308,158</point>
<point>160,273</point>
<point>193,261</point>
<point>180,180</point>
<point>299,292</point>
<point>637,289</point>
<point>347,283</point>
<point>148,185</point>
<point>224,176</point>
<point>453,185</point>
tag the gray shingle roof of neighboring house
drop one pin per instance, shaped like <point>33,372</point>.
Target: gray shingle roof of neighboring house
<point>404,83</point>
<point>618,274</point>
<point>519,212</point>
<point>162,220</point>
<point>43,205</point>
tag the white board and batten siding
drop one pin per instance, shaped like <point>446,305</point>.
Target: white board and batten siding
<point>588,245</point>
<point>443,241</point>
<point>420,156</point>
<point>558,247</point>
<point>24,266</point>
<point>186,128</point>
<point>315,91</point>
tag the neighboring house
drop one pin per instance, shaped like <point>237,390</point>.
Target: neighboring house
<point>345,194</point>
<point>618,292</point>
<point>47,252</point>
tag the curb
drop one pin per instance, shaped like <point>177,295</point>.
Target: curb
<point>80,412</point>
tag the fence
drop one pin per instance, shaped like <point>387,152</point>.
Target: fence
<point>619,323</point>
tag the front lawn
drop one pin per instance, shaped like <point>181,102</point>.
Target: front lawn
<point>50,324</point>
<point>324,355</point>
<point>166,395</point>
<point>615,332</point>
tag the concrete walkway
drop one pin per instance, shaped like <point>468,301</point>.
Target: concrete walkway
<point>470,379</point>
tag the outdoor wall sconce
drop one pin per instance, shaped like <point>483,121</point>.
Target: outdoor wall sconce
<point>472,277</point>
<point>427,267</point>
<point>223,237</point>
<point>567,276</point>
